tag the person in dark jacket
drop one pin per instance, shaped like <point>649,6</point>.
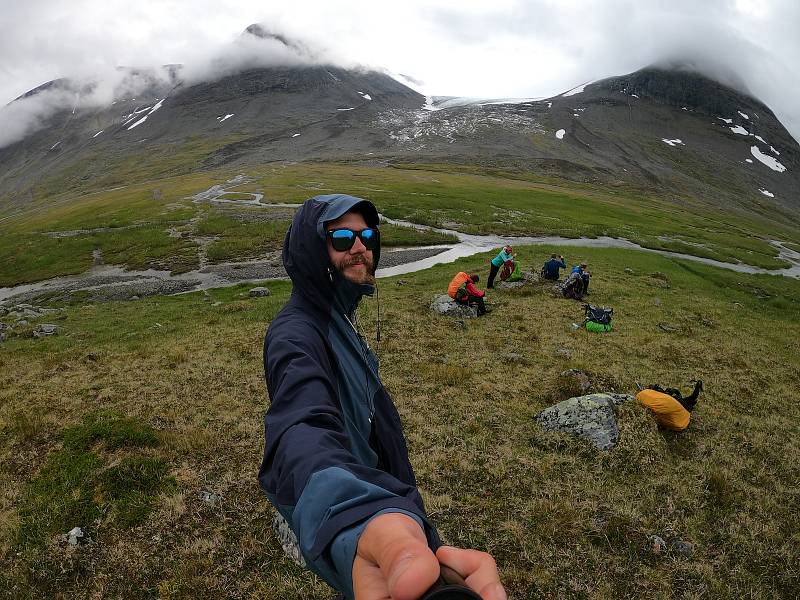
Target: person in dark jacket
<point>335,461</point>
<point>551,267</point>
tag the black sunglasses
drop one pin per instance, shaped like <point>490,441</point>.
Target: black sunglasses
<point>343,239</point>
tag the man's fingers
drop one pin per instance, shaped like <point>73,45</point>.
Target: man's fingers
<point>477,568</point>
<point>395,544</point>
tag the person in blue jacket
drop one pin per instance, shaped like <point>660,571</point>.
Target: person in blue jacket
<point>335,460</point>
<point>552,266</point>
<point>505,254</point>
<point>585,275</point>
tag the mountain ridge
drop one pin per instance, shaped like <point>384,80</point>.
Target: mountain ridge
<point>677,133</point>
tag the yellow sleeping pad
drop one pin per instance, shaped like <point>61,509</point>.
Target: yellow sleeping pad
<point>668,412</point>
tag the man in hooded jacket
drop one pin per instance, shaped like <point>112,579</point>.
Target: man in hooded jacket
<point>335,460</point>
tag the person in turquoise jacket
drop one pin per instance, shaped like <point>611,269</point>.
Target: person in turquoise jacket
<point>497,262</point>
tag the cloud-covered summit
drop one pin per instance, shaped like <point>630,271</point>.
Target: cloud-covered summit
<point>258,46</point>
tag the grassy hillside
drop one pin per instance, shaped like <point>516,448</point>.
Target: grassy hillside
<point>125,420</point>
<point>141,421</point>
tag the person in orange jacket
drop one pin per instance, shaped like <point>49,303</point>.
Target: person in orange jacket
<point>470,295</point>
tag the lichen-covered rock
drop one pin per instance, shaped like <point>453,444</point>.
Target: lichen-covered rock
<point>445,305</point>
<point>590,417</point>
<point>287,539</point>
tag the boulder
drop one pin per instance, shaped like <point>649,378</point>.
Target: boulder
<point>287,540</point>
<point>3,337</point>
<point>258,292</point>
<point>445,305</point>
<point>590,417</point>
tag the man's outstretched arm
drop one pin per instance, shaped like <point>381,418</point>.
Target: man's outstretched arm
<point>393,561</point>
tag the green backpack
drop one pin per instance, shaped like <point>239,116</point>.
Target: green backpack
<point>516,274</point>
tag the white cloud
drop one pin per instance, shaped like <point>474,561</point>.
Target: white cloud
<point>508,48</point>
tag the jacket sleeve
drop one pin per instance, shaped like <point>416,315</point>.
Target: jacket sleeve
<point>309,472</point>
<point>473,291</point>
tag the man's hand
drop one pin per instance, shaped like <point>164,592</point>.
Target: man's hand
<point>393,562</point>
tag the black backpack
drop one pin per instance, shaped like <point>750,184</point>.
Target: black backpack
<point>598,314</point>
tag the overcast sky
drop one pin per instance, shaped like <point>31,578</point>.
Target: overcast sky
<point>503,48</point>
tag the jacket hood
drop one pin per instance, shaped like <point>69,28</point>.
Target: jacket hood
<point>305,251</point>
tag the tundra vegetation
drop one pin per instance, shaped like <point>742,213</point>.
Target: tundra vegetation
<point>141,421</point>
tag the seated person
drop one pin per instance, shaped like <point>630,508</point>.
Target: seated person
<point>585,275</point>
<point>551,267</point>
<point>572,286</point>
<point>468,294</point>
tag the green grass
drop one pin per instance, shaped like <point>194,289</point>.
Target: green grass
<point>79,411</point>
<point>74,488</point>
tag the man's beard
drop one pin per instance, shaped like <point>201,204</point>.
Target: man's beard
<point>361,277</point>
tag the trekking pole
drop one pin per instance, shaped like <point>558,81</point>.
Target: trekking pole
<point>450,586</point>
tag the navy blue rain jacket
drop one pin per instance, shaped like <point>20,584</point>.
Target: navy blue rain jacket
<point>552,266</point>
<point>335,454</point>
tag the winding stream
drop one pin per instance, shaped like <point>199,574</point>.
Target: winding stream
<point>123,283</point>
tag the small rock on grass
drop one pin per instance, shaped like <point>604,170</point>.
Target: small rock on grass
<point>580,377</point>
<point>656,544</point>
<point>258,292</point>
<point>45,329</point>
<point>210,497</point>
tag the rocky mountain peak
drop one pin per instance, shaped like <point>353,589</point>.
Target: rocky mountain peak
<point>683,86</point>
<point>262,32</point>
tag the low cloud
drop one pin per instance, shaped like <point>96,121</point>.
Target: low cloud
<point>257,47</point>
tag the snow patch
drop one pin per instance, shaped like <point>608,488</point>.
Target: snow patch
<point>137,123</point>
<point>225,118</point>
<point>760,139</point>
<point>767,160</point>
<point>53,147</point>
<point>748,160</point>
<point>744,116</point>
<point>772,149</point>
<point>98,133</point>
<point>728,121</point>
<point>429,104</point>
<point>766,193</point>
<point>634,96</point>
<point>740,130</point>
<point>560,134</point>
<point>351,108</point>
<point>295,135</point>
<point>674,142</point>
<point>365,96</point>
<point>154,108</point>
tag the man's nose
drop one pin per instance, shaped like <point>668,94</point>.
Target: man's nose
<point>358,246</point>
